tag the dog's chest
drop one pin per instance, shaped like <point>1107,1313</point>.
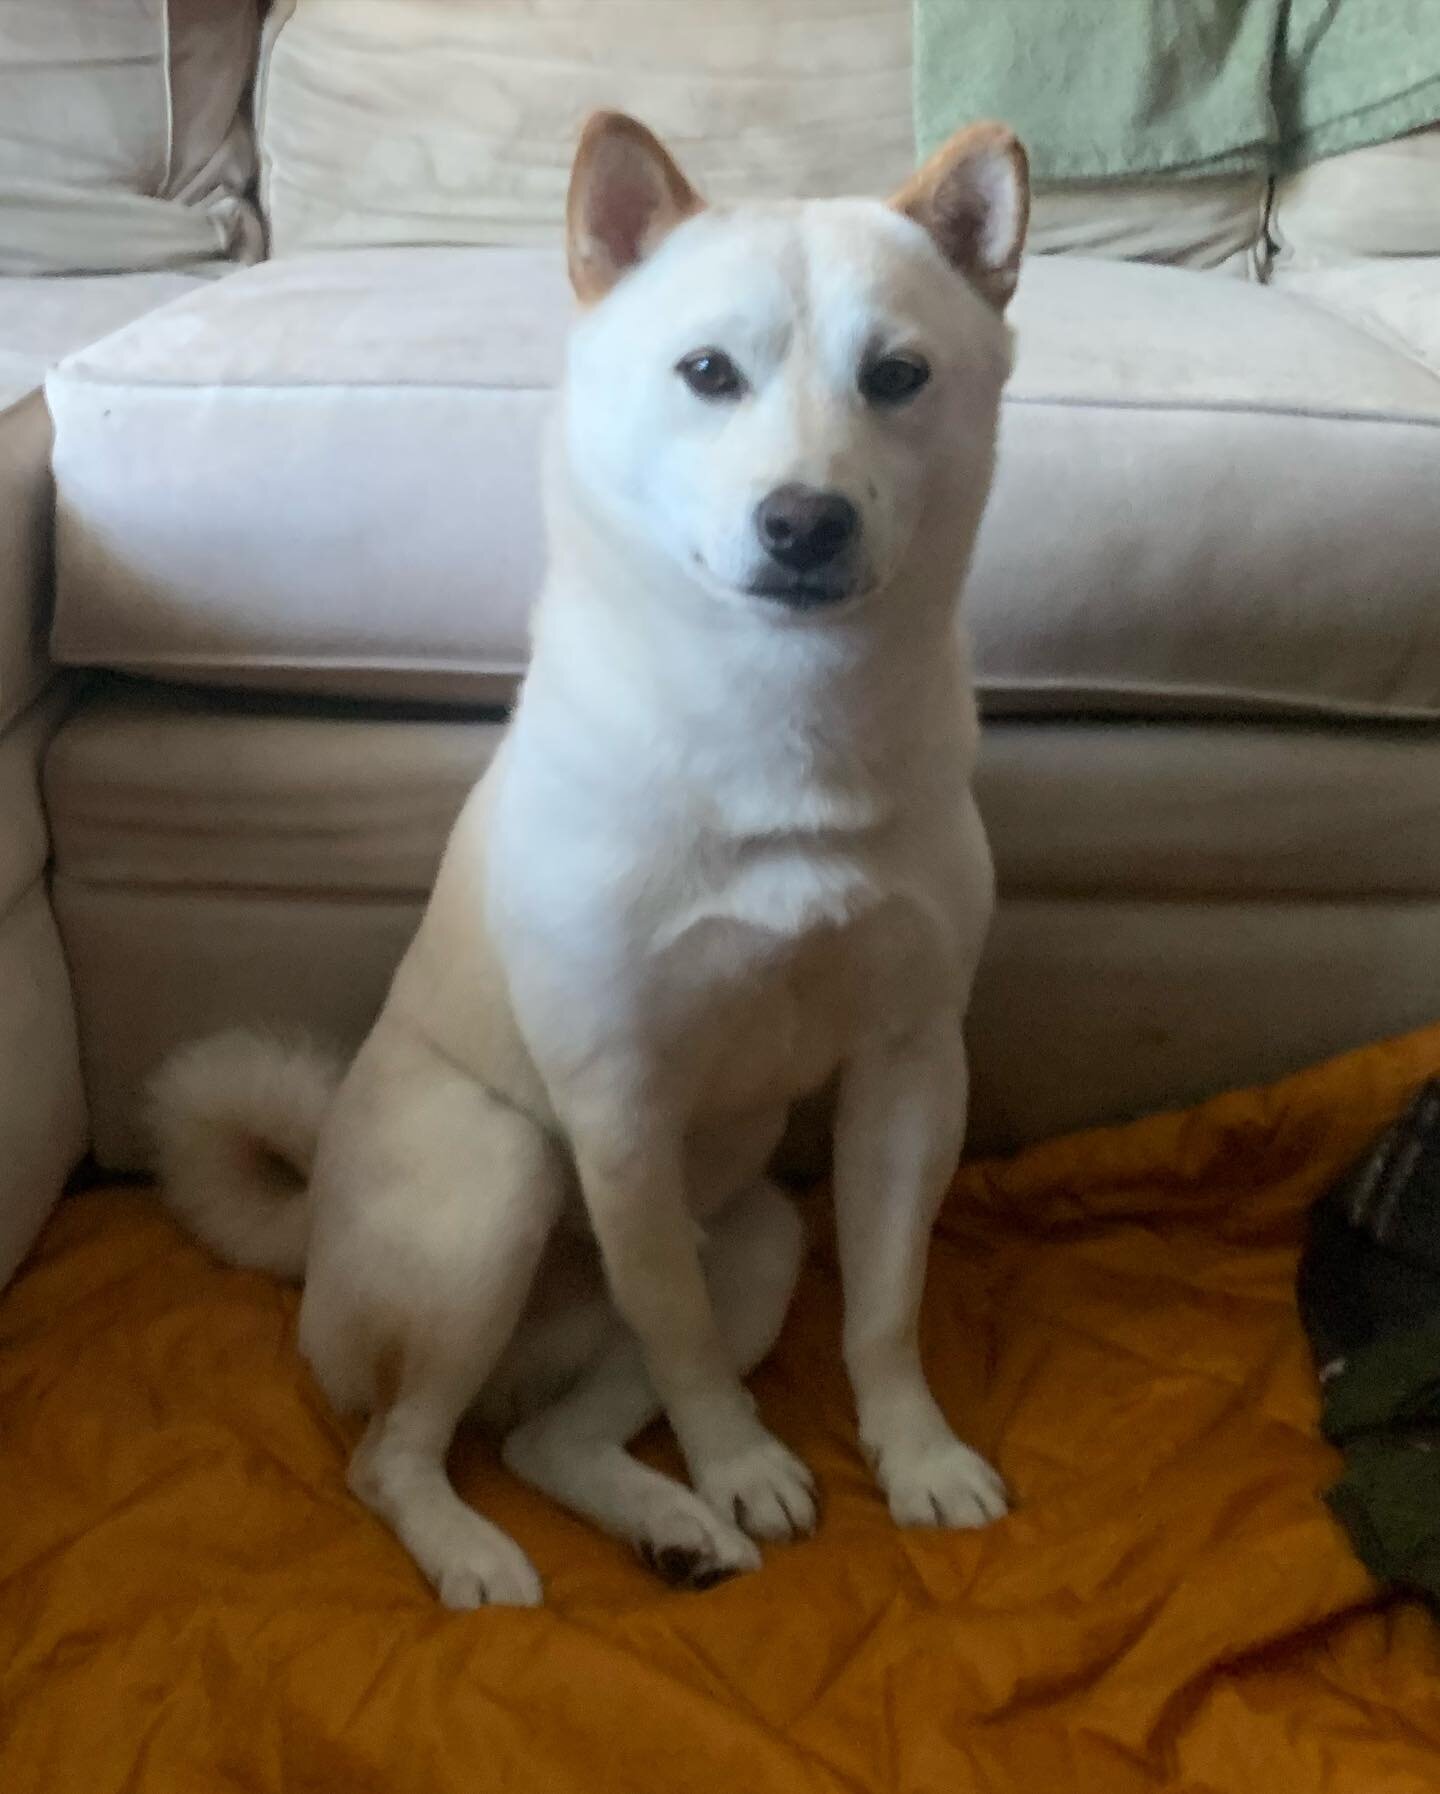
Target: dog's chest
<point>765,982</point>
<point>725,963</point>
<point>770,1016</point>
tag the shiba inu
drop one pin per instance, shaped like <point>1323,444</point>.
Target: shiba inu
<point>726,853</point>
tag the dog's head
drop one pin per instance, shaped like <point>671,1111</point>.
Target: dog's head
<point>788,400</point>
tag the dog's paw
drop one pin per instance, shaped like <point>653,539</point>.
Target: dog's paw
<point>763,1487</point>
<point>940,1483</point>
<point>688,1546</point>
<point>481,1567</point>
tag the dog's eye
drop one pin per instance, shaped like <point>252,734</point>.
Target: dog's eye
<point>894,378</point>
<point>711,375</point>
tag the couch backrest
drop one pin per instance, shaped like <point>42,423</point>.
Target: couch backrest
<point>123,140</point>
<point>422,121</point>
<point>453,121</point>
<point>123,144</point>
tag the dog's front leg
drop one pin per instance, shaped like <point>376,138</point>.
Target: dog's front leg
<point>635,1193</point>
<point>899,1130</point>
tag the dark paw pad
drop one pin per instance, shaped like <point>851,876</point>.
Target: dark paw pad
<point>681,1567</point>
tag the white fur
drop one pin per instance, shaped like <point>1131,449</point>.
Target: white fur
<point>727,851</point>
<point>235,1119</point>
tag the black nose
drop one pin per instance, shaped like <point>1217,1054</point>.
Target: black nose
<point>803,527</point>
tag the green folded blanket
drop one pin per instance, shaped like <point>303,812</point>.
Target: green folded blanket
<point>1369,1295</point>
<point>1109,88</point>
<point>1382,1407</point>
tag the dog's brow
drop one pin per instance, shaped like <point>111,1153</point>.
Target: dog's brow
<point>739,333</point>
<point>846,306</point>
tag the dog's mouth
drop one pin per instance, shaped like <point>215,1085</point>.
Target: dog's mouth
<point>803,591</point>
<point>799,591</point>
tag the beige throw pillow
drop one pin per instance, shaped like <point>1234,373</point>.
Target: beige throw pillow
<point>123,141</point>
<point>1380,201</point>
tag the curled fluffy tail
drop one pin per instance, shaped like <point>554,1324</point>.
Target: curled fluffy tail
<point>235,1119</point>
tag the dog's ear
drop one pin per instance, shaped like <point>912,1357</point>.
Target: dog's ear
<point>973,197</point>
<point>626,195</point>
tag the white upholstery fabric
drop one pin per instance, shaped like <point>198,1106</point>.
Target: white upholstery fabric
<point>1396,299</point>
<point>1165,811</point>
<point>42,1113</point>
<point>26,498</point>
<point>1380,201</point>
<point>168,790</point>
<point>164,789</point>
<point>358,432</point>
<point>41,321</point>
<point>1216,222</point>
<point>24,841</point>
<point>1182,907</point>
<point>1100,1010</point>
<point>453,121</point>
<point>42,1105</point>
<point>1088,1009</point>
<point>44,320</point>
<point>122,141</point>
<point>1212,499</point>
<point>153,968</point>
<point>1190,478</point>
<point>1092,333</point>
<point>1359,234</point>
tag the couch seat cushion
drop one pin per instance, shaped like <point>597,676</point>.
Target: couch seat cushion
<point>148,786</point>
<point>42,320</point>
<point>1395,298</point>
<point>1168,891</point>
<point>1211,497</point>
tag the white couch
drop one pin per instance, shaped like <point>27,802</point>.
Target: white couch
<point>296,535</point>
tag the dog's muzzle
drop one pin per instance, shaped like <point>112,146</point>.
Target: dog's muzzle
<point>808,536</point>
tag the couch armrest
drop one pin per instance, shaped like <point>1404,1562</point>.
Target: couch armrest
<point>43,1123</point>
<point>26,518</point>
<point>42,1105</point>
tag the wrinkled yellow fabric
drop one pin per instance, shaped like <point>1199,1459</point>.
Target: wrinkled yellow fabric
<point>190,1601</point>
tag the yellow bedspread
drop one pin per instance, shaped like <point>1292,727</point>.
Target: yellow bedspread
<point>190,1602</point>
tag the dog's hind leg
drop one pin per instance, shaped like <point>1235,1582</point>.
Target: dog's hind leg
<point>575,1450</point>
<point>436,1264</point>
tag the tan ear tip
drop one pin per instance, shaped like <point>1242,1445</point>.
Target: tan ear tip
<point>590,125</point>
<point>995,135</point>
<point>605,122</point>
<point>997,139</point>
<point>600,130</point>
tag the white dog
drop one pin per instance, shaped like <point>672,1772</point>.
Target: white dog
<point>727,851</point>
